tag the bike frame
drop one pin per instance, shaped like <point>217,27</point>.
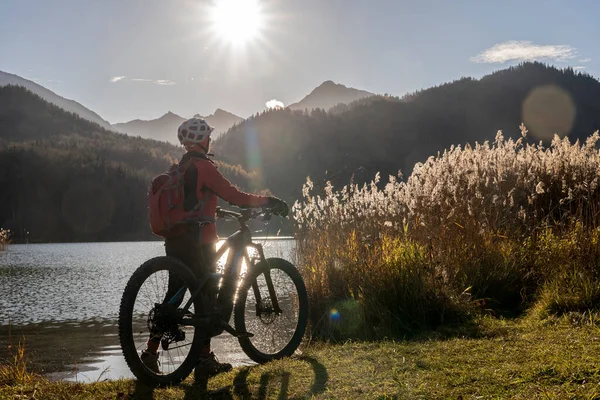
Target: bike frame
<point>237,244</point>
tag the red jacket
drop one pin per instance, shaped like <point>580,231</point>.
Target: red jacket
<point>211,184</point>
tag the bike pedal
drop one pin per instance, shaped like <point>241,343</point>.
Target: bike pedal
<point>233,332</point>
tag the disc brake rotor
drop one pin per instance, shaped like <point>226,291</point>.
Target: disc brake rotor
<point>265,311</point>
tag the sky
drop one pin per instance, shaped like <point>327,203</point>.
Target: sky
<point>128,59</point>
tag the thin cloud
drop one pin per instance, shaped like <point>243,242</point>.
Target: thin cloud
<point>274,104</point>
<point>155,81</point>
<point>579,67</point>
<point>585,60</point>
<point>524,51</point>
<point>117,78</point>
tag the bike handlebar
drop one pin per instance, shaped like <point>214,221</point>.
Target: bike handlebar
<point>246,214</point>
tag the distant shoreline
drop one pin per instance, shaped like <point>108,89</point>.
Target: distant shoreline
<point>147,240</point>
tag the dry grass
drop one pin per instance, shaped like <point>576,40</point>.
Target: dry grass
<point>4,238</point>
<point>490,228</point>
<point>15,373</point>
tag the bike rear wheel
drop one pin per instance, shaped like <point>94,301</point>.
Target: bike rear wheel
<point>145,313</point>
<point>276,333</point>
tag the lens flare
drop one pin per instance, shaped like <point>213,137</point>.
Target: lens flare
<point>347,317</point>
<point>334,315</point>
<point>253,155</point>
<point>547,110</point>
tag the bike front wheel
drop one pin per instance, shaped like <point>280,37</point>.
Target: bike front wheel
<point>145,313</point>
<point>275,317</point>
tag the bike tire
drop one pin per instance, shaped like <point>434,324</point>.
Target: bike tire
<point>240,309</point>
<point>126,334</point>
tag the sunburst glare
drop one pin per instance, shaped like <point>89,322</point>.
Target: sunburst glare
<point>237,21</point>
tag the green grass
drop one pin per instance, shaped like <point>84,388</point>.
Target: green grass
<point>494,359</point>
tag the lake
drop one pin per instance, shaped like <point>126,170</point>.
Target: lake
<point>63,301</point>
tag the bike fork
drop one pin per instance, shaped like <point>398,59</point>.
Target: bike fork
<point>269,282</point>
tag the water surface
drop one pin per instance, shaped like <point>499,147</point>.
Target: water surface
<point>63,300</point>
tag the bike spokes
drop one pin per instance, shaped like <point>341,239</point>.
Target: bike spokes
<point>157,316</point>
<point>271,311</point>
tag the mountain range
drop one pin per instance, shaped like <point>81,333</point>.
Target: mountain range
<point>325,96</point>
<point>165,127</point>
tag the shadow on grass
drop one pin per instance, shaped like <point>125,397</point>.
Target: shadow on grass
<point>241,389</point>
<point>485,328</point>
<point>469,329</point>
<point>142,391</point>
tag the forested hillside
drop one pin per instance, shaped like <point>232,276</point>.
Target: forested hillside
<point>51,97</point>
<point>388,134</point>
<point>64,178</point>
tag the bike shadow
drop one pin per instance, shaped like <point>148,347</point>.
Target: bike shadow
<point>197,390</point>
<point>241,389</point>
<point>142,391</point>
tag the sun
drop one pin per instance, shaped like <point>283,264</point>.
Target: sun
<point>237,21</point>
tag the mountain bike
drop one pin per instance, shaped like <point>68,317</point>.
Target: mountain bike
<point>267,297</point>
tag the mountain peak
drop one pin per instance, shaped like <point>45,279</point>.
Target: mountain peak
<point>219,112</point>
<point>170,114</point>
<point>329,94</point>
<point>329,83</point>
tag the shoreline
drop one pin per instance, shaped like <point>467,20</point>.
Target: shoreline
<point>88,350</point>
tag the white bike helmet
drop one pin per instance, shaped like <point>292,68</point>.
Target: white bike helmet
<point>194,131</point>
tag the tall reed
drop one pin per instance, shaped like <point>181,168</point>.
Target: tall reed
<point>471,228</point>
<point>4,238</point>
